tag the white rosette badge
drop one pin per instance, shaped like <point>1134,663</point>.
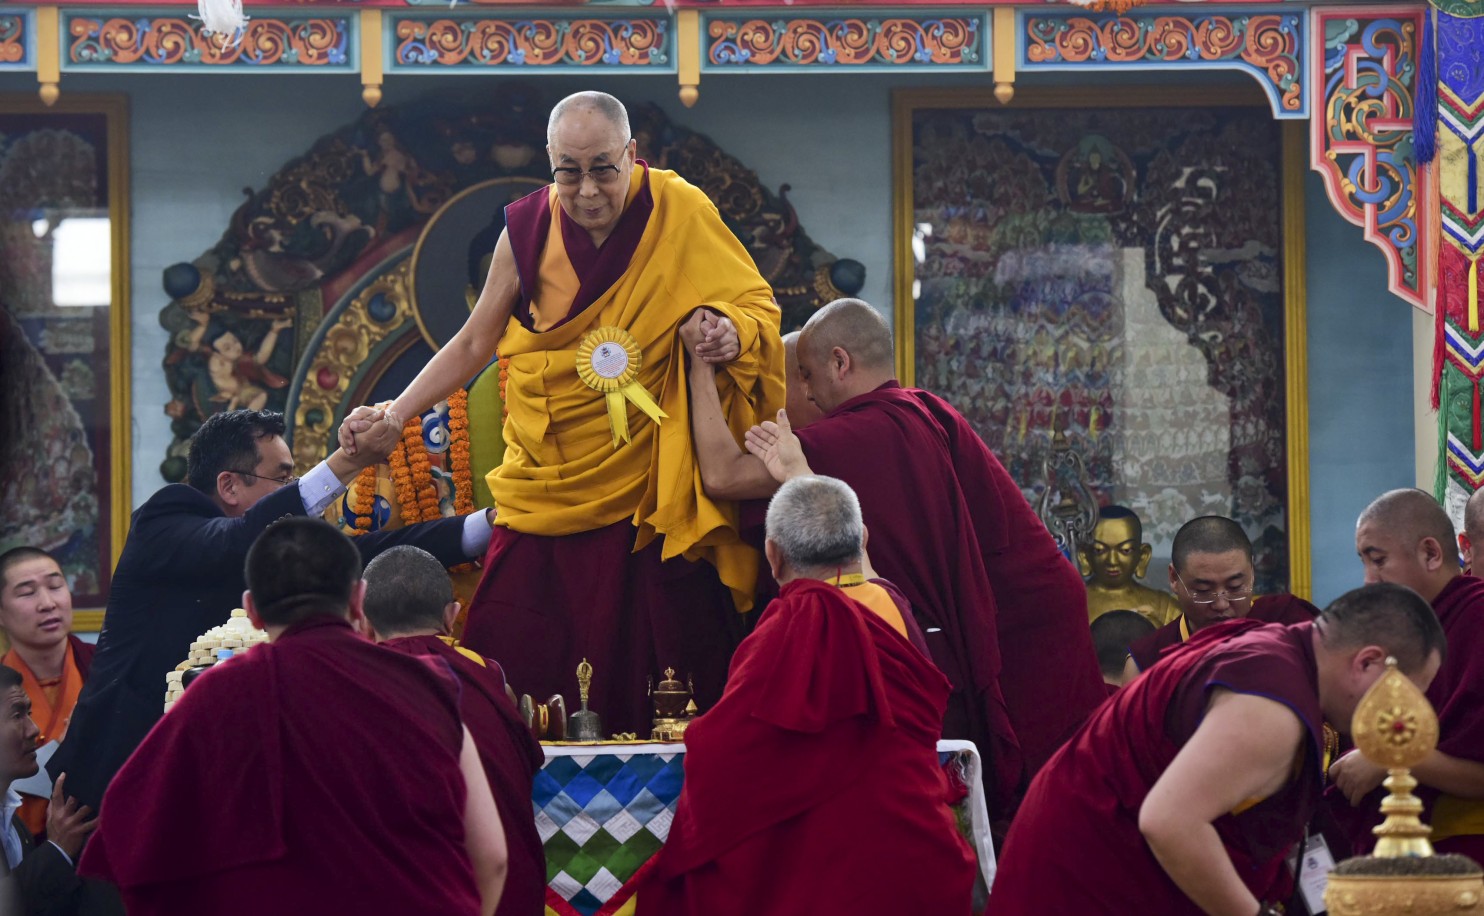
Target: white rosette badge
<point>608,361</point>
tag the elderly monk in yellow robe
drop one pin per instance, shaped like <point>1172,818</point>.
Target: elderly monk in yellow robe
<point>606,547</point>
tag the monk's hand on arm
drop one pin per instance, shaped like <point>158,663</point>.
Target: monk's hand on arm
<point>721,343</point>
<point>68,823</point>
<point>779,449</point>
<point>1243,749</point>
<point>1356,777</point>
<point>693,330</point>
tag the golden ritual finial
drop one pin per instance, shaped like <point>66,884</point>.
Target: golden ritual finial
<point>1395,727</point>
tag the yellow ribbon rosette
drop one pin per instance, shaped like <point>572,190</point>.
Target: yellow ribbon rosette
<point>608,361</point>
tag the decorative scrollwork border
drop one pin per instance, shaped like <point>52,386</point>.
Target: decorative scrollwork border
<point>1365,78</point>
<point>96,41</point>
<point>894,43</point>
<point>1270,44</point>
<point>17,40</point>
<point>420,43</point>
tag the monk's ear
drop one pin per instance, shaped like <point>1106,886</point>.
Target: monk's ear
<point>1431,553</point>
<point>1466,547</point>
<point>775,558</point>
<point>841,358</point>
<point>450,614</point>
<point>252,611</point>
<point>1368,664</point>
<point>357,608</point>
<point>1174,581</point>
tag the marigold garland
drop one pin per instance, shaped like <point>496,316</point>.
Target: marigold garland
<point>424,507</point>
<point>402,482</point>
<point>504,364</point>
<point>458,452</point>
<point>365,498</point>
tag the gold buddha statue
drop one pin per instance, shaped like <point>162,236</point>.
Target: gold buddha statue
<point>1112,562</point>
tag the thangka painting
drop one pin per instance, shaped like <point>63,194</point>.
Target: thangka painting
<point>64,435</point>
<point>334,282</point>
<point>1116,274</point>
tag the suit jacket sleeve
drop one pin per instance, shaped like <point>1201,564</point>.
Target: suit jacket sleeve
<point>443,538</point>
<point>45,881</point>
<point>210,543</point>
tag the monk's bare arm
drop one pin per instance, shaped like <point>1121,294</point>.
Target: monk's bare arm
<point>1452,775</point>
<point>727,472</point>
<point>463,356</point>
<point>484,836</point>
<point>1217,770</point>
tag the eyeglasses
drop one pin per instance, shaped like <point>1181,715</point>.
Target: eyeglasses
<point>281,481</point>
<point>1232,595</point>
<point>601,174</point>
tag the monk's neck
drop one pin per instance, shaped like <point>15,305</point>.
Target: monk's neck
<point>45,663</point>
<point>1442,586</point>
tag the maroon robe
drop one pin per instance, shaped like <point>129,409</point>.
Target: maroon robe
<point>511,758</point>
<point>1280,608</point>
<point>1457,695</point>
<point>844,713</point>
<point>1004,613</point>
<point>318,773</point>
<point>1075,845</point>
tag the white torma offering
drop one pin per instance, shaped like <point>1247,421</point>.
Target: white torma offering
<point>215,645</point>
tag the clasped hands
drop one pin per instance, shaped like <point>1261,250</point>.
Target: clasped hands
<point>710,338</point>
<point>369,434</point>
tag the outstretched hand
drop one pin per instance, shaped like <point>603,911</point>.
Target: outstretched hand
<point>778,448</point>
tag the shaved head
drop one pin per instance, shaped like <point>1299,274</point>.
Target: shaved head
<point>601,103</point>
<point>801,410</point>
<point>855,327</point>
<point>1473,517</point>
<point>1410,515</point>
<point>1208,534</point>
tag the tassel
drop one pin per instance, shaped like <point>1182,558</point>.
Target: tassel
<point>1439,353</point>
<point>1425,108</point>
<point>222,18</point>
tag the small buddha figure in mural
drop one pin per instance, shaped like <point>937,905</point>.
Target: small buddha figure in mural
<point>1116,557</point>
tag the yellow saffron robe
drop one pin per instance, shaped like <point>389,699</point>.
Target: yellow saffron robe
<point>561,473</point>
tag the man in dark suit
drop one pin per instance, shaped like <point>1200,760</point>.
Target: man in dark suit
<point>181,572</point>
<point>35,879</point>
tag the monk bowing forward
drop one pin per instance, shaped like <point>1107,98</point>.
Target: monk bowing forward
<point>1186,792</point>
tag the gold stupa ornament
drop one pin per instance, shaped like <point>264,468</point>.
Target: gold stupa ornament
<point>1395,727</point>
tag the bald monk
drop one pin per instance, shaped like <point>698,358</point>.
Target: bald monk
<point>1405,537</point>
<point>829,692</point>
<point>801,410</point>
<point>1004,613</point>
<point>1186,791</point>
<point>317,772</point>
<point>410,609</point>
<point>606,547</point>
<point>1211,576</point>
<point>1473,531</point>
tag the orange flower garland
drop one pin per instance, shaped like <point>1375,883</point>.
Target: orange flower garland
<point>365,498</point>
<point>424,507</point>
<point>402,482</point>
<point>458,452</point>
<point>504,363</point>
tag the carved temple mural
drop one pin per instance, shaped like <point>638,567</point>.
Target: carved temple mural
<point>1112,280</point>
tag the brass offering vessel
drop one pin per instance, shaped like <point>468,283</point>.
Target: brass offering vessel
<point>1395,727</point>
<point>673,708</point>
